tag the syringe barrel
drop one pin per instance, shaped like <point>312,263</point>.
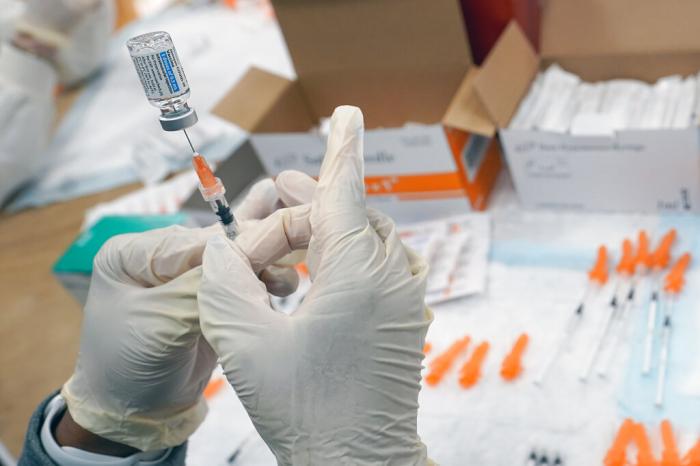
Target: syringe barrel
<point>216,197</point>
<point>215,192</point>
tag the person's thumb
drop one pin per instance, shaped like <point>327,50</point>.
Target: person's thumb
<point>338,206</point>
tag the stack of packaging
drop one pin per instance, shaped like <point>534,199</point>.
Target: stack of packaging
<point>617,131</point>
<point>457,250</point>
<point>561,102</point>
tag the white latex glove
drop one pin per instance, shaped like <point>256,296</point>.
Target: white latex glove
<point>336,382</point>
<point>10,11</point>
<point>56,40</point>
<point>76,31</point>
<point>143,363</point>
<point>26,116</point>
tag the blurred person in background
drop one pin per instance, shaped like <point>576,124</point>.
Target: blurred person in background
<point>46,45</point>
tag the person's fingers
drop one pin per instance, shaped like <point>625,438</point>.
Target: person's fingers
<point>262,199</point>
<point>290,188</point>
<point>405,264</point>
<point>295,187</point>
<point>394,250</point>
<point>234,307</point>
<point>338,206</point>
<point>280,281</point>
<point>154,257</point>
<point>276,236</point>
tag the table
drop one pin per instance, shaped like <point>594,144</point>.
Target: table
<point>40,321</point>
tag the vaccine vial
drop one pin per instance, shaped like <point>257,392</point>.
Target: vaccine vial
<point>163,78</point>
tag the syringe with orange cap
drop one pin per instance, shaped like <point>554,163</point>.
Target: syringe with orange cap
<point>166,88</point>
<point>214,193</point>
<point>673,284</point>
<point>643,261</point>
<point>625,270</point>
<point>640,263</point>
<point>597,277</point>
<point>657,261</point>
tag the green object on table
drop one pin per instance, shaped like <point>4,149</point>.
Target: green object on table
<point>74,267</point>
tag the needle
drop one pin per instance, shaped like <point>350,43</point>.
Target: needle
<point>188,139</point>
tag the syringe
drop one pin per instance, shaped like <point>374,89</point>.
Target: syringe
<point>597,277</point>
<point>642,263</point>
<point>214,193</point>
<point>663,354</point>
<point>617,329</point>
<point>660,259</point>
<point>625,270</point>
<point>166,87</point>
<point>673,285</point>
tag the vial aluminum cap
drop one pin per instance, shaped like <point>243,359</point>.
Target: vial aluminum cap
<point>178,120</point>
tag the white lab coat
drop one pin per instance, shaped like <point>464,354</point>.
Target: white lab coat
<point>28,84</point>
<point>27,110</point>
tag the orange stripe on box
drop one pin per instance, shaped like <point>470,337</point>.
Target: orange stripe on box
<point>432,195</point>
<point>477,185</point>
<point>399,184</point>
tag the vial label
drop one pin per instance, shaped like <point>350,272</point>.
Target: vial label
<point>161,74</point>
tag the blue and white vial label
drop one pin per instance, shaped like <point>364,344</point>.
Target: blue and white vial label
<point>161,74</point>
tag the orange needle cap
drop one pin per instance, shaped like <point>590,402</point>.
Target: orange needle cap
<point>643,255</point>
<point>675,279</point>
<point>662,255</point>
<point>512,365</point>
<point>599,272</point>
<point>617,454</point>
<point>470,373</point>
<point>669,455</point>
<point>627,261</point>
<point>444,361</point>
<point>204,173</point>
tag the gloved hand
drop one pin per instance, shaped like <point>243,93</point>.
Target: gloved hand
<point>143,362</point>
<point>72,34</point>
<point>336,382</point>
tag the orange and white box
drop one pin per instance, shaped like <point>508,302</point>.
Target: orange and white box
<point>411,172</point>
<point>430,139</point>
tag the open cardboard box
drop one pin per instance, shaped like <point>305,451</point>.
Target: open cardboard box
<point>430,146</point>
<point>632,170</point>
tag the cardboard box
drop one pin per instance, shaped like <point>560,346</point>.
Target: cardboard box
<point>430,146</point>
<point>631,170</point>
